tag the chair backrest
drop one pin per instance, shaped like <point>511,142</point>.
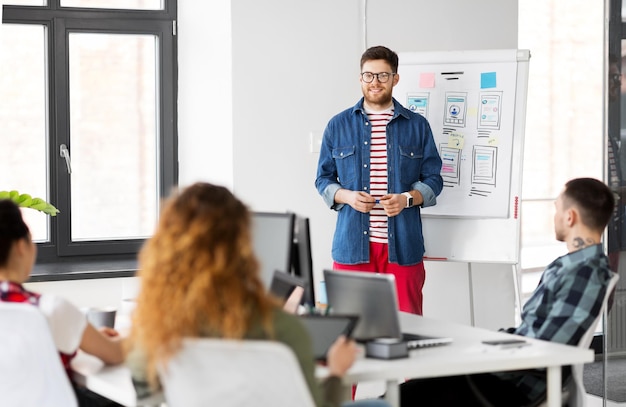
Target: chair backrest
<point>574,392</point>
<point>234,373</point>
<point>577,388</point>
<point>31,372</point>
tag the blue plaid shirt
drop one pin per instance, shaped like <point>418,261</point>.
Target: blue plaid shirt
<point>563,306</point>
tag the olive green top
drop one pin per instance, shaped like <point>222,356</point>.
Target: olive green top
<point>288,330</point>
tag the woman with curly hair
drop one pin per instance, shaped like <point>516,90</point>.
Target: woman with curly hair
<point>200,278</point>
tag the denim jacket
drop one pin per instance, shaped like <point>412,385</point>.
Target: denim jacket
<point>412,162</point>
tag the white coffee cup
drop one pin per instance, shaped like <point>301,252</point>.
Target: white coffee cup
<point>100,317</point>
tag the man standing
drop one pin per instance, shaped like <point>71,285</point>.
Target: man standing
<point>378,166</point>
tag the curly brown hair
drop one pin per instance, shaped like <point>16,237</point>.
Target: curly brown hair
<point>199,275</point>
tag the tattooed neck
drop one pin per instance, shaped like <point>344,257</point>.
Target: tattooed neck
<point>579,242</point>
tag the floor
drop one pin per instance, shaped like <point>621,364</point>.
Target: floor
<point>595,401</point>
<point>375,389</point>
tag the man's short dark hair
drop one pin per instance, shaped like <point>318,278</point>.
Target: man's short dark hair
<point>380,52</point>
<point>594,199</point>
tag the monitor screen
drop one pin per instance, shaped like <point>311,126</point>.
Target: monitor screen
<point>272,238</point>
<point>303,259</point>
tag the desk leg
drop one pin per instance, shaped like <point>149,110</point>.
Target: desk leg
<point>392,395</point>
<point>554,386</point>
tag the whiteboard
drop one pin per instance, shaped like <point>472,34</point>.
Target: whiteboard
<point>475,102</point>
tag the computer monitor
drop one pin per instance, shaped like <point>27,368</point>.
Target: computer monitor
<point>302,258</point>
<point>272,239</point>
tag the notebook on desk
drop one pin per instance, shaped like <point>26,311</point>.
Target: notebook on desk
<point>373,298</point>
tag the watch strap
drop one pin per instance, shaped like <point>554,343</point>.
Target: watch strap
<point>409,199</point>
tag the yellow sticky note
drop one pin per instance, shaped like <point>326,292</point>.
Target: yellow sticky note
<point>493,141</point>
<point>456,140</point>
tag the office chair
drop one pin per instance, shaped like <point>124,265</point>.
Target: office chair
<point>31,373</point>
<point>234,373</point>
<point>577,388</point>
<point>574,390</point>
<point>573,394</point>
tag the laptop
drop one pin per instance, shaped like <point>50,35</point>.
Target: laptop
<point>324,330</point>
<point>373,298</point>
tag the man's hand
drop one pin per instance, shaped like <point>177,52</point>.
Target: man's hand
<point>358,200</point>
<point>395,203</point>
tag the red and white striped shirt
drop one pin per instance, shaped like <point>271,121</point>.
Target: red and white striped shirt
<point>378,172</point>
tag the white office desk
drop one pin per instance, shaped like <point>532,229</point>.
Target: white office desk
<point>465,355</point>
<point>112,382</point>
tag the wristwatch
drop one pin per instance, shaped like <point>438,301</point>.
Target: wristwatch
<point>409,199</point>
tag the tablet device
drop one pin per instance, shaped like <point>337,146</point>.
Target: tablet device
<point>283,284</point>
<point>325,329</point>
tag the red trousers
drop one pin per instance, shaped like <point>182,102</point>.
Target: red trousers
<point>409,279</point>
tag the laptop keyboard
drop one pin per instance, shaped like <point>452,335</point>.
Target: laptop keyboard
<point>414,341</point>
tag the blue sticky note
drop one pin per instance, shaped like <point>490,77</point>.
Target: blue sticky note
<point>487,80</point>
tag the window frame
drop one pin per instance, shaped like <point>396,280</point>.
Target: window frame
<point>59,23</point>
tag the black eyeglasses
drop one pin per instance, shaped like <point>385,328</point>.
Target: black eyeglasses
<point>383,77</point>
<point>615,77</point>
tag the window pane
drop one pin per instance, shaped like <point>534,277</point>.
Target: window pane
<point>115,4</point>
<point>564,119</point>
<point>113,139</point>
<point>539,244</point>
<point>23,159</point>
<point>26,2</point>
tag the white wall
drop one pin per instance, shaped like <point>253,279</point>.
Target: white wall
<point>256,77</point>
<point>101,292</point>
<point>205,119</point>
<point>296,63</point>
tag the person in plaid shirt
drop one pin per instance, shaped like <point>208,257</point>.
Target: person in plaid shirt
<point>68,325</point>
<point>561,309</point>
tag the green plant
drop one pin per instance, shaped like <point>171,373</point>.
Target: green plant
<point>27,201</point>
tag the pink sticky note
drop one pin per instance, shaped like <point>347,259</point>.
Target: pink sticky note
<point>427,80</point>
